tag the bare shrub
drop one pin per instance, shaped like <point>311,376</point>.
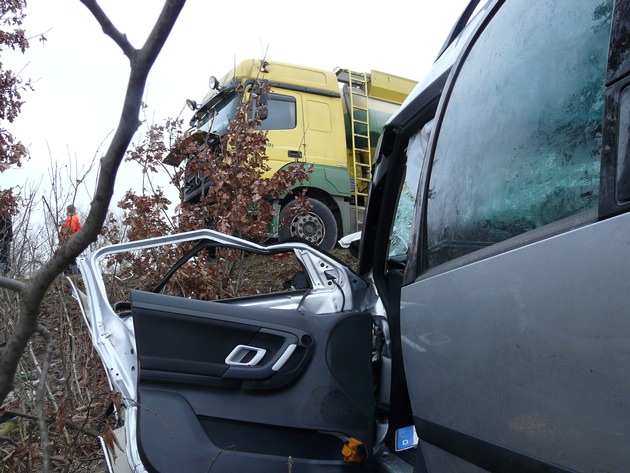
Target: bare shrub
<point>237,202</point>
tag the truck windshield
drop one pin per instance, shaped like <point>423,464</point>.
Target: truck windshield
<point>217,118</point>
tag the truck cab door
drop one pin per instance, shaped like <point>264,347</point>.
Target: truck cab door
<point>284,123</point>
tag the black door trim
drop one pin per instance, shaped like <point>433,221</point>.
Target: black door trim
<point>484,454</point>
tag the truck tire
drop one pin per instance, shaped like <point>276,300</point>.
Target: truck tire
<point>318,227</point>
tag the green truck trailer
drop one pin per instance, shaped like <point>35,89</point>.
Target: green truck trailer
<point>329,119</point>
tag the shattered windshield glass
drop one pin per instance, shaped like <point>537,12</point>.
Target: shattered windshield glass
<point>494,179</point>
<point>401,230</point>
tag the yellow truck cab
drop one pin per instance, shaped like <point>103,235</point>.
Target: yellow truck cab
<point>328,119</point>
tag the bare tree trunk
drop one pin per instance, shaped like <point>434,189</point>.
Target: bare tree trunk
<point>32,291</point>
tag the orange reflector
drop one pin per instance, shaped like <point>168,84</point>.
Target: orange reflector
<point>354,451</point>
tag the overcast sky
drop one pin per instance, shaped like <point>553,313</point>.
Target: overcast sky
<point>80,74</point>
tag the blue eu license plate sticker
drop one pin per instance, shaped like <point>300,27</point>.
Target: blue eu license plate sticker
<point>406,438</point>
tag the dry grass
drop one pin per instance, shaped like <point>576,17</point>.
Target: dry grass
<point>75,394</point>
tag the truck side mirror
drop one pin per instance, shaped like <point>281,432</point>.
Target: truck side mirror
<point>262,112</point>
<point>262,109</point>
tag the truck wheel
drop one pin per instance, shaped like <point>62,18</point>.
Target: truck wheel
<point>318,227</point>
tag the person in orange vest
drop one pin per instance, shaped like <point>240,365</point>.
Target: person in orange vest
<point>71,225</point>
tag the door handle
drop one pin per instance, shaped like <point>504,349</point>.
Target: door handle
<point>239,369</point>
<point>245,352</point>
<point>294,154</point>
<point>285,356</point>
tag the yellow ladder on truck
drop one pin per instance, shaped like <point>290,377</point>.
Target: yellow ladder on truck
<point>361,147</point>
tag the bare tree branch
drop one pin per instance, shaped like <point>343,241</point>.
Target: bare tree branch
<point>12,284</point>
<point>33,291</point>
<point>9,440</point>
<point>52,420</point>
<point>41,393</point>
<point>109,29</point>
